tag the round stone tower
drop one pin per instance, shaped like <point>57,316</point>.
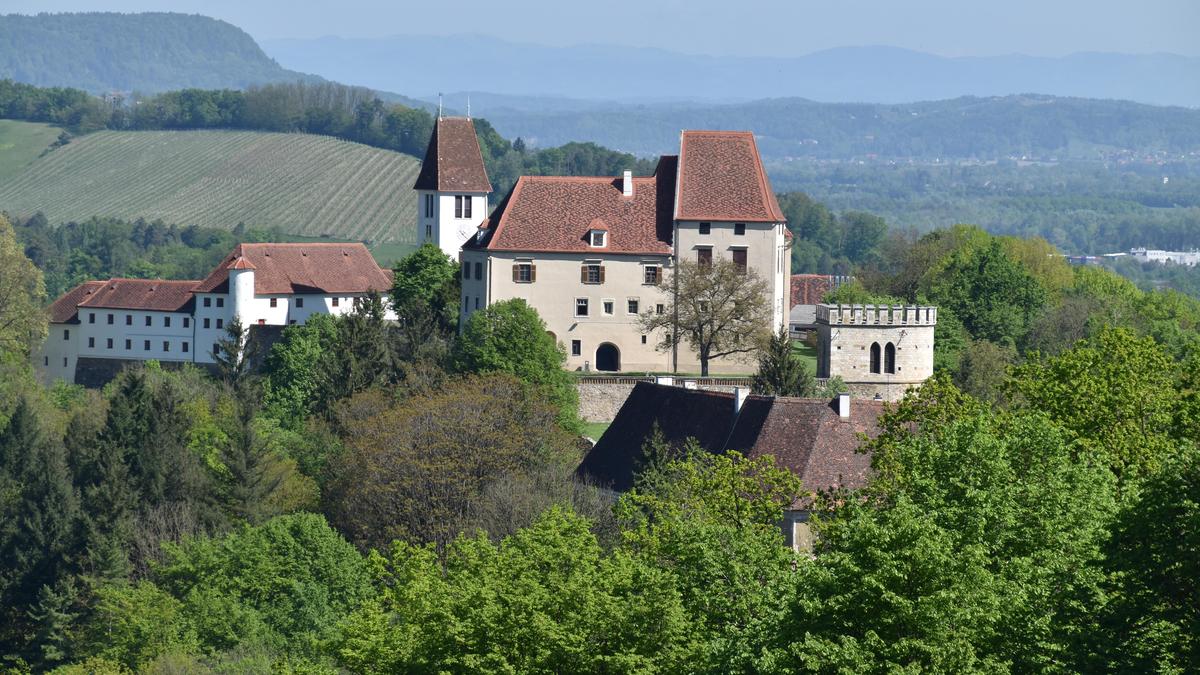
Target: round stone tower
<point>241,290</point>
<point>878,351</point>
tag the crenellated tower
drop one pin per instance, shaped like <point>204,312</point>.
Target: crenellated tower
<point>878,350</point>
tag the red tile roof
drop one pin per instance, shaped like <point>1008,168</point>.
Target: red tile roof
<point>453,160</point>
<point>145,294</point>
<point>806,436</point>
<point>555,214</point>
<point>63,310</point>
<point>303,268</point>
<point>721,177</point>
<point>810,289</point>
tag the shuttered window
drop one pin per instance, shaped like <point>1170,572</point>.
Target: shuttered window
<point>524,273</point>
<point>592,274</point>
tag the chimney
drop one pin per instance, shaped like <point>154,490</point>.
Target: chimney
<point>627,184</point>
<point>843,405</point>
<point>739,398</point>
<point>664,379</point>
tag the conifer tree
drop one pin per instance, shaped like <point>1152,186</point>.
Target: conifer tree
<point>780,373</point>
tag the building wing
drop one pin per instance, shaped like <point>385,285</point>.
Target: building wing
<point>281,269</point>
<point>721,178</point>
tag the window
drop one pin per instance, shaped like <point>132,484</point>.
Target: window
<point>128,319</point>
<point>643,339</point>
<point>149,320</point>
<point>429,232</point>
<point>91,342</point>
<point>108,343</point>
<point>739,229</point>
<point>46,361</point>
<point>64,362</point>
<point>465,301</point>
<point>184,347</point>
<point>659,309</point>
<point>166,346</point>
<point>462,206</point>
<point>592,274</point>
<point>187,322</point>
<point>128,345</point>
<point>428,206</point>
<point>478,270</point>
<point>739,259</point>
<point>705,228</point>
<point>291,321</point>
<point>220,302</point>
<point>216,350</point>
<point>146,345</point>
<point>166,322</point>
<point>599,238</point>
<point>889,358</point>
<point>91,317</point>
<point>335,301</point>
<point>208,302</point>
<point>875,357</point>
<point>66,333</point>
<point>524,273</point>
<point>631,306</point>
<point>299,302</point>
<point>704,257</point>
<point>650,274</point>
<point>576,348</point>
<point>274,302</point>
<point>477,302</point>
<point>581,306</point>
<point>110,319</point>
<point>608,307</point>
<point>206,322</point>
<point>466,270</point>
<point>220,324</point>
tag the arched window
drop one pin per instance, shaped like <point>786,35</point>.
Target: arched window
<point>874,357</point>
<point>889,358</point>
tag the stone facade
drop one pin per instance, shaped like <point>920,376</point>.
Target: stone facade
<point>878,351</point>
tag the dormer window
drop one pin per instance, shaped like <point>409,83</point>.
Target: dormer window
<point>598,238</point>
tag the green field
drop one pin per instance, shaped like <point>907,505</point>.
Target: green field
<point>20,145</point>
<point>299,183</point>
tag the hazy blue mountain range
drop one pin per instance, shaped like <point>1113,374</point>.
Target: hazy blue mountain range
<point>1026,126</point>
<point>424,65</point>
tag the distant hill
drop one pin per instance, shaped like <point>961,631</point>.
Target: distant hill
<point>103,52</point>
<point>609,72</point>
<point>298,183</point>
<point>1041,127</point>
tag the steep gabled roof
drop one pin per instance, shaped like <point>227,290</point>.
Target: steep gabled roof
<point>721,177</point>
<point>65,308</point>
<point>806,436</point>
<point>555,214</point>
<point>453,160</point>
<point>301,268</point>
<point>145,294</point>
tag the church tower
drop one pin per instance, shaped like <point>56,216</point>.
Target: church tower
<point>453,186</point>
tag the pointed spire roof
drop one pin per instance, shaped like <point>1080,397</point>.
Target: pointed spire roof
<point>453,160</point>
<point>241,264</point>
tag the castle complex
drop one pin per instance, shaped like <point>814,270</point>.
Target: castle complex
<point>588,253</point>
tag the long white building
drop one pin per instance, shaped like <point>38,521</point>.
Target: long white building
<point>155,319</point>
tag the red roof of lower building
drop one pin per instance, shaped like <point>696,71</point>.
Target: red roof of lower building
<point>64,309</point>
<point>721,177</point>
<point>810,289</point>
<point>282,269</point>
<point>144,294</point>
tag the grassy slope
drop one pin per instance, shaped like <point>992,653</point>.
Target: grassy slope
<point>302,184</point>
<point>20,145</point>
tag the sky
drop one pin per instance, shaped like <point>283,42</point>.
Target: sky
<point>717,27</point>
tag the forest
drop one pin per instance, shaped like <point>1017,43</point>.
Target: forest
<point>370,496</point>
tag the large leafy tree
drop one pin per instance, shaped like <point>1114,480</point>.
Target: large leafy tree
<point>977,547</point>
<point>22,293</point>
<point>717,309</point>
<point>993,295</point>
<point>414,470</point>
<point>425,291</point>
<point>510,337</point>
<point>1115,390</point>
<point>547,599</point>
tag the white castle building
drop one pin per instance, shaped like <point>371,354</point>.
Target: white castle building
<point>173,321</point>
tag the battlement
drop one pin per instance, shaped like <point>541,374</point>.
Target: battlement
<point>876,315</point>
